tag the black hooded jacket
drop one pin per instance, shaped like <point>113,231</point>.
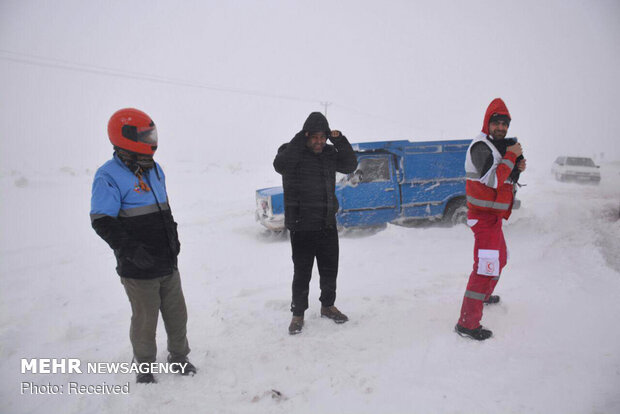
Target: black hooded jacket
<point>309,180</point>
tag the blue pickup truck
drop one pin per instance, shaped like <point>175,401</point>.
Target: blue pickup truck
<point>397,182</point>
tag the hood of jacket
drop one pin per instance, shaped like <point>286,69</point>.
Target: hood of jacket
<point>497,106</point>
<point>316,122</point>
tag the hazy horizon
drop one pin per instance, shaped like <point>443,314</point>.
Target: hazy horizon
<point>231,81</point>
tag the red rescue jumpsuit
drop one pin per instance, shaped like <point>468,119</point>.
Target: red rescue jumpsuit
<point>489,199</point>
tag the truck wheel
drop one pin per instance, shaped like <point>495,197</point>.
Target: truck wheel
<point>274,235</point>
<point>456,212</point>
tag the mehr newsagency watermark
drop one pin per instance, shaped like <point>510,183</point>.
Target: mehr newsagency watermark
<point>75,366</point>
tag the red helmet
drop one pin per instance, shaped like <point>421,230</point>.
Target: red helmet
<point>133,130</point>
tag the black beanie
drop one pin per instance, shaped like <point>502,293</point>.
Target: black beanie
<point>316,122</point>
<point>500,117</point>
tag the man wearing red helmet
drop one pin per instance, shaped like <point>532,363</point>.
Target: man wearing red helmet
<point>492,167</point>
<point>130,211</point>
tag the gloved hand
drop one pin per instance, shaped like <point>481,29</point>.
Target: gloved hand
<point>516,148</point>
<point>335,134</point>
<point>141,258</point>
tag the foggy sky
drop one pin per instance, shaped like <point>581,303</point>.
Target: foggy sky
<point>391,70</point>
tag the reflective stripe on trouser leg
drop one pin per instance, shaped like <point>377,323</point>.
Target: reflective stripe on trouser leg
<point>489,239</point>
<point>474,295</point>
<point>471,310</point>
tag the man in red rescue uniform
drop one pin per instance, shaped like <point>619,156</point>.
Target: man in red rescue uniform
<point>492,167</point>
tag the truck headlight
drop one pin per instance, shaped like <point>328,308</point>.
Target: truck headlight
<point>263,206</point>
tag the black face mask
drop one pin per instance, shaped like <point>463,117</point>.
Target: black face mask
<point>137,163</point>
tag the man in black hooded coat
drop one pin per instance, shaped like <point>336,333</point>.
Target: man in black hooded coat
<point>308,167</point>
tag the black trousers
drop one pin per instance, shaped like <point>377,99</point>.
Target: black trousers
<point>306,245</point>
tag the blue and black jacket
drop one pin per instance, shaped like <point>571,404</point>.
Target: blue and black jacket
<point>134,221</point>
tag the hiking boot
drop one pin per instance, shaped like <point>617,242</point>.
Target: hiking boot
<point>297,324</point>
<point>491,300</point>
<point>334,314</point>
<point>145,378</point>
<point>187,369</point>
<point>479,334</point>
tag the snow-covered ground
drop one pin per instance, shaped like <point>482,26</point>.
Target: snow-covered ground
<point>556,346</point>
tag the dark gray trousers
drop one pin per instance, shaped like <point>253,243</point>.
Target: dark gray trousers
<point>148,297</point>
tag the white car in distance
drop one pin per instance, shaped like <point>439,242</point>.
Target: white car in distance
<point>579,169</point>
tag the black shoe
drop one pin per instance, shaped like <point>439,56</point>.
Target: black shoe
<point>187,368</point>
<point>479,334</point>
<point>491,300</point>
<point>334,314</point>
<point>145,378</point>
<point>297,324</point>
